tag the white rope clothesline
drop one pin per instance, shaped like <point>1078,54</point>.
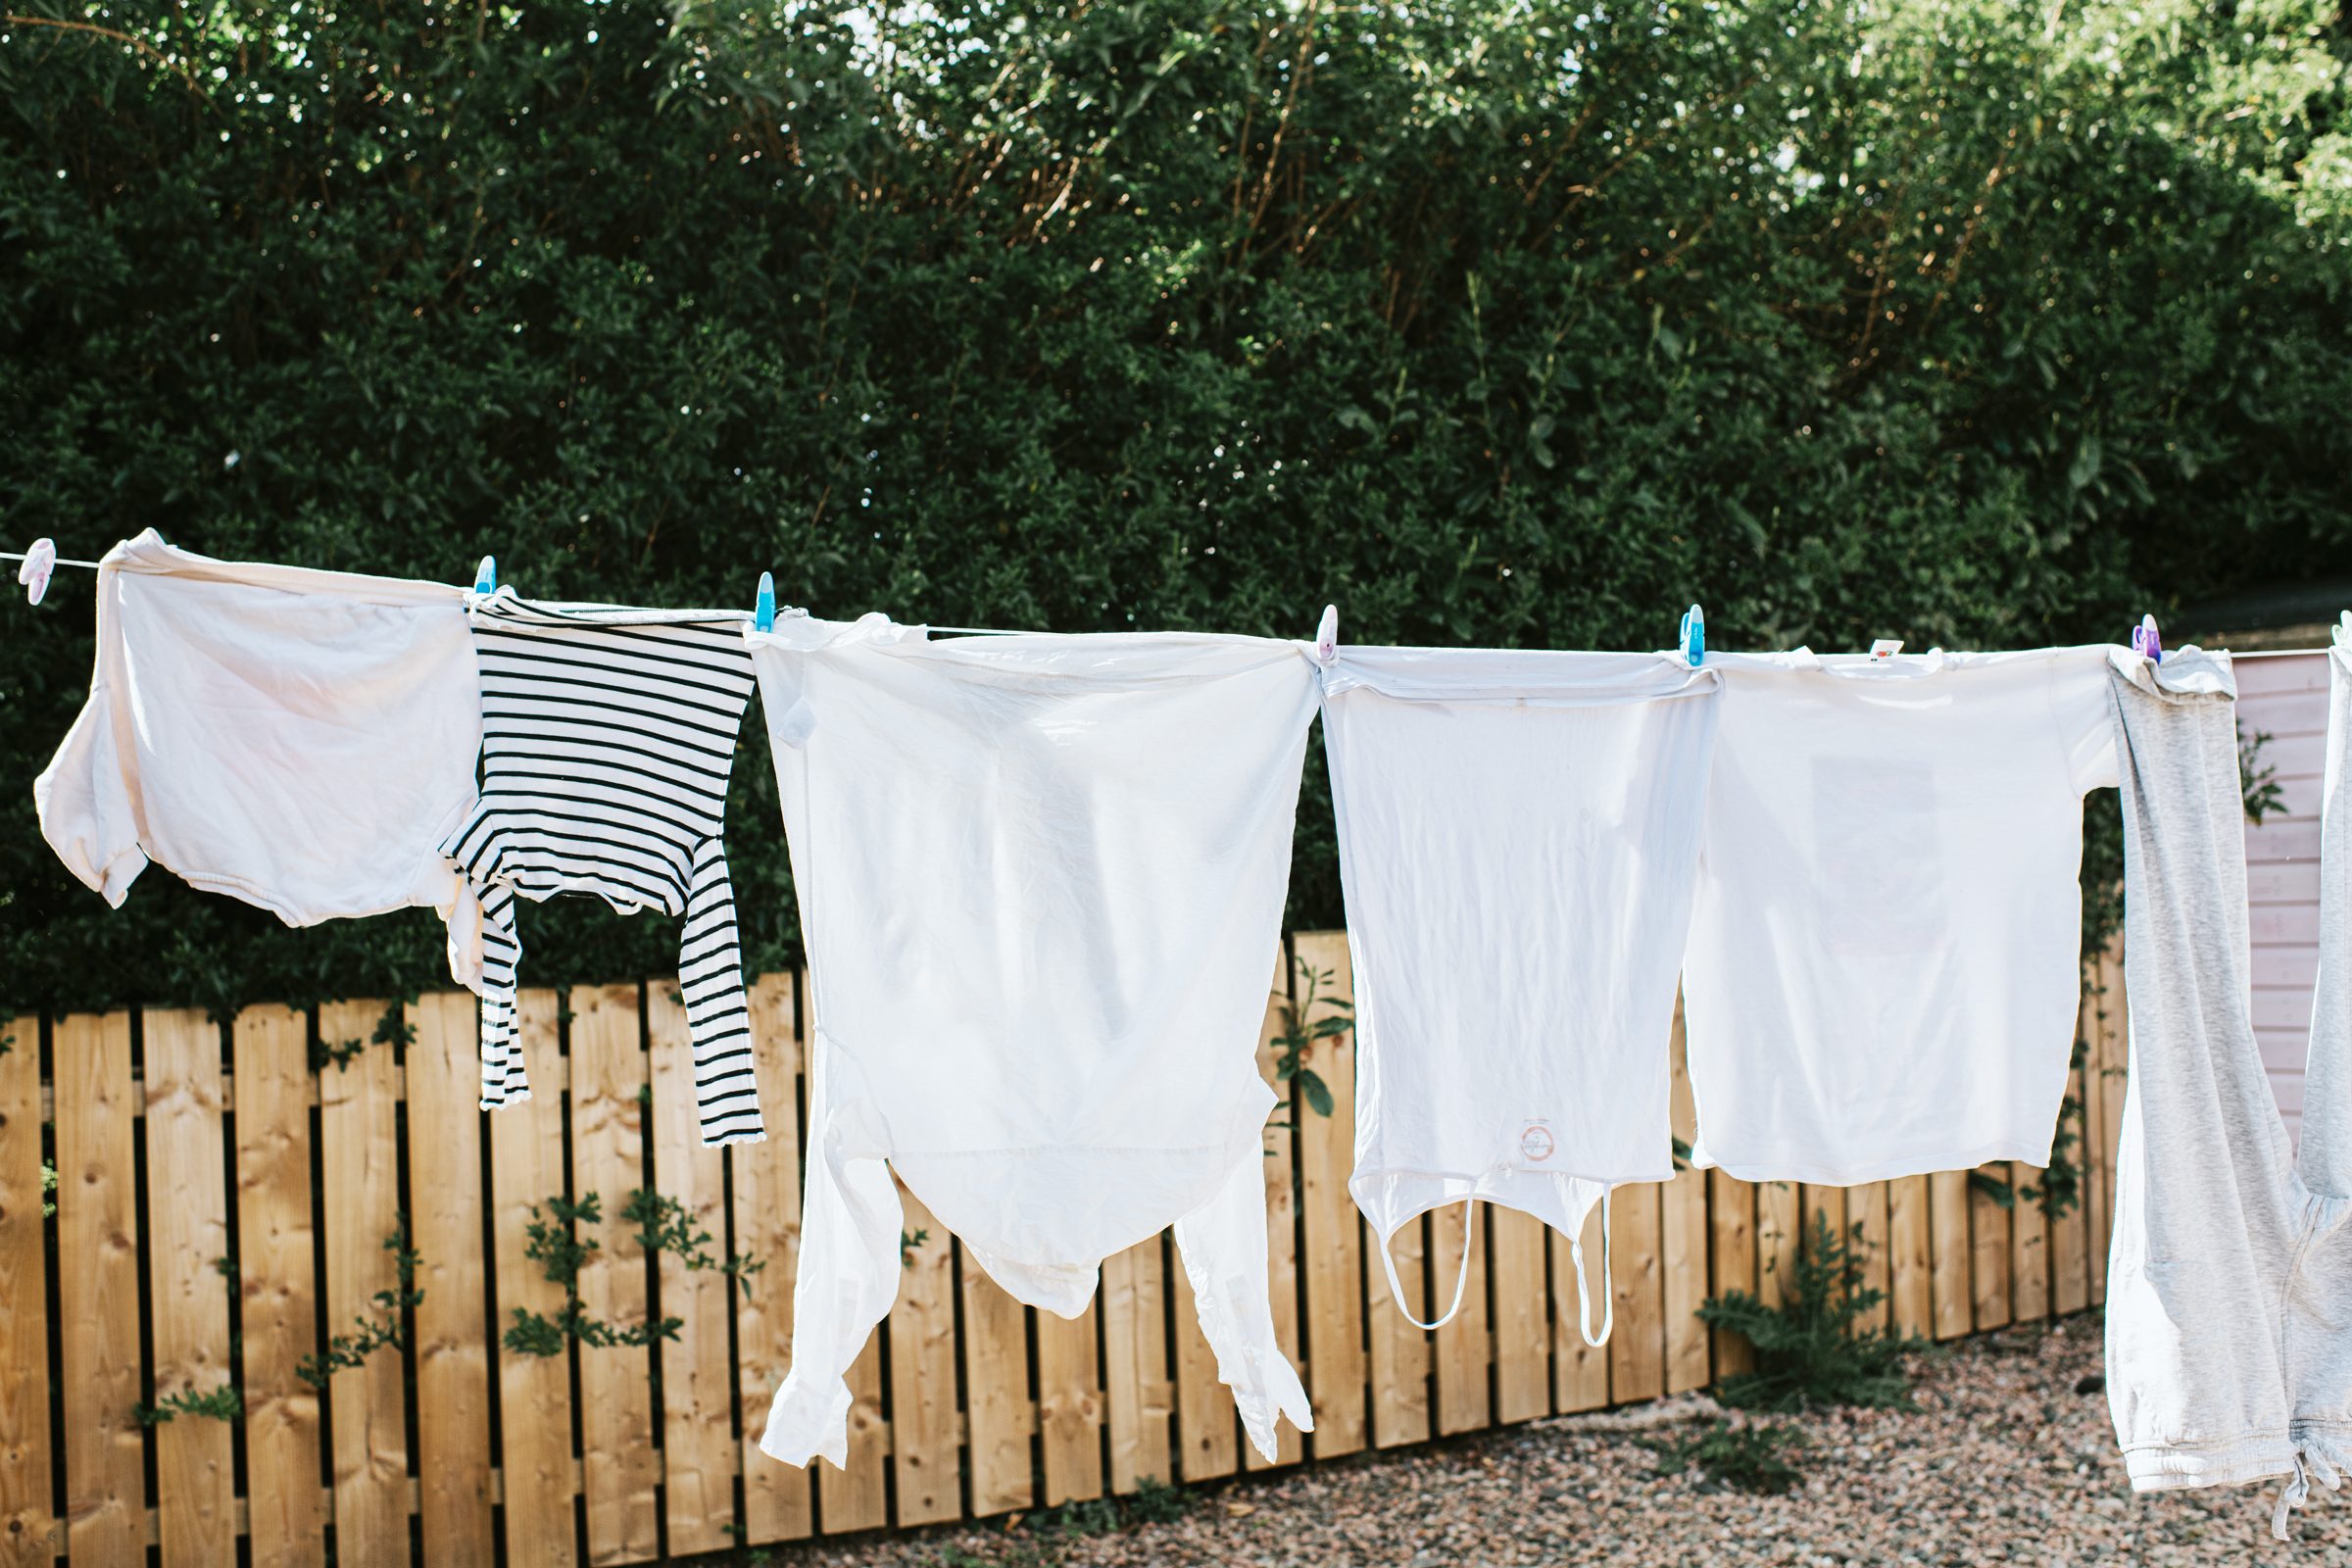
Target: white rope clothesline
<point>1001,631</point>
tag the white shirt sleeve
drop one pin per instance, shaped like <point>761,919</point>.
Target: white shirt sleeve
<point>85,804</point>
<point>849,1275</point>
<point>1223,1247</point>
<point>2084,718</point>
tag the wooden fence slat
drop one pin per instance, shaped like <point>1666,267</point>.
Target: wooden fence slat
<point>855,1497</point>
<point>995,1379</point>
<point>1400,1350</point>
<point>1910,1280</point>
<point>1522,1323</point>
<point>1461,1344</point>
<point>1580,1372</point>
<point>277,1246</point>
<point>1207,1427</point>
<point>1778,1230</point>
<point>698,1423</point>
<point>776,1499</point>
<point>98,1291</point>
<point>367,1420</point>
<point>1135,1366</point>
<point>1069,1406</point>
<point>2028,1248</point>
<point>1683,1239</point>
<point>619,1467</point>
<point>1281,1166</point>
<point>526,1169</point>
<point>1332,1259</point>
<point>924,1441</point>
<point>1949,1240</point>
<point>1732,1260</point>
<point>1867,1225</point>
<point>453,1353</point>
<point>25,1498</point>
<point>1988,1228</point>
<point>187,1238</point>
<point>2070,1262</point>
<point>1637,1348</point>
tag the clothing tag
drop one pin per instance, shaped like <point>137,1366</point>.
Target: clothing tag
<point>1536,1143</point>
<point>1885,647</point>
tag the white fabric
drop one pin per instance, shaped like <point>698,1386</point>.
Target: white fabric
<point>297,739</point>
<point>1519,836</point>
<point>1883,975</point>
<point>1039,879</point>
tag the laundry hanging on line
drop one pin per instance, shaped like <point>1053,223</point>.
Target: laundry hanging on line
<point>1042,882</point>
<point>1884,969</point>
<point>300,740</point>
<point>1518,839</point>
<point>1053,1044</point>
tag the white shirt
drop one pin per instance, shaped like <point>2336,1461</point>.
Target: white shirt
<point>1883,975</point>
<point>1040,878</point>
<point>1519,836</point>
<point>297,739</point>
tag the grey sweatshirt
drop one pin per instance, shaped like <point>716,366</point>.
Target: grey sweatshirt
<point>2230,1282</point>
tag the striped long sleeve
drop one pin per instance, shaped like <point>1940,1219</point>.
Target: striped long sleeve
<point>608,736</point>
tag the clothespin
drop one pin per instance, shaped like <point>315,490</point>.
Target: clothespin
<point>763,610</point>
<point>485,576</point>
<point>1327,635</point>
<point>40,560</point>
<point>1694,636</point>
<point>2145,642</point>
<point>1885,647</point>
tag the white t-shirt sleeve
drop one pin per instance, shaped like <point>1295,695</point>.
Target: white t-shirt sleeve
<point>85,804</point>
<point>2083,719</point>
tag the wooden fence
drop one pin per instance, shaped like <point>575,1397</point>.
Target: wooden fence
<point>223,1197</point>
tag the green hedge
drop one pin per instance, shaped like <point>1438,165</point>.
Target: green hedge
<point>1493,321</point>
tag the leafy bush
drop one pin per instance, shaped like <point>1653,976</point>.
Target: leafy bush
<point>1749,1457</point>
<point>1522,323</point>
<point>1812,1350</point>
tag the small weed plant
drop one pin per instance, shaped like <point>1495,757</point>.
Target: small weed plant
<point>1749,1457</point>
<point>1812,1350</point>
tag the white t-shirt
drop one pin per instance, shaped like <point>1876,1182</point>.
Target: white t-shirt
<point>1519,833</point>
<point>1518,840</point>
<point>1884,965</point>
<point>1041,879</point>
<point>297,739</point>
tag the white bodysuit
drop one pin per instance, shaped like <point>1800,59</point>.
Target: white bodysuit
<point>298,739</point>
<point>1038,879</point>
<point>1518,840</point>
<point>1882,974</point>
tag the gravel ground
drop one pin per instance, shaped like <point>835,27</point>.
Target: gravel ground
<point>2004,1462</point>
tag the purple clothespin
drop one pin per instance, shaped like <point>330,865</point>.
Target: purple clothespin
<point>2145,642</point>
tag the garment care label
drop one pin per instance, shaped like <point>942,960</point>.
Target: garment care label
<point>1885,647</point>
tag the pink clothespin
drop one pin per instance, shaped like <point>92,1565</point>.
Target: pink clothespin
<point>1327,635</point>
<point>2145,642</point>
<point>40,560</point>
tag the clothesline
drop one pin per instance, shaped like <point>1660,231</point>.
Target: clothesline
<point>1007,632</point>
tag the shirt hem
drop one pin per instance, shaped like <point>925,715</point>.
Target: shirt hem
<point>1767,1170</point>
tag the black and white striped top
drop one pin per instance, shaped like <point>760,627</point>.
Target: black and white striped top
<point>606,739</point>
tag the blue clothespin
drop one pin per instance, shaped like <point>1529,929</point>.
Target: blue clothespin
<point>1694,636</point>
<point>485,576</point>
<point>763,613</point>
<point>2145,642</point>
